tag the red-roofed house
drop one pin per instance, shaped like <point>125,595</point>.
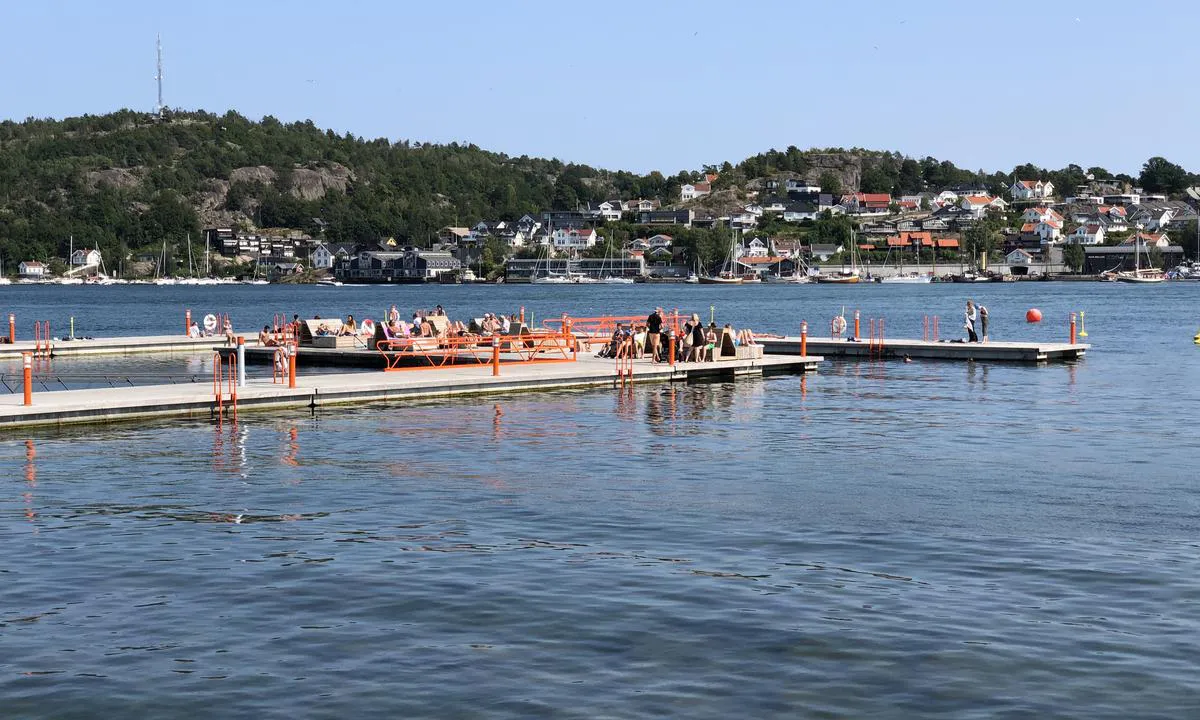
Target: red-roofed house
<point>31,269</point>
<point>908,239</point>
<point>947,243</point>
<point>867,202</point>
<point>691,192</point>
<point>1032,190</point>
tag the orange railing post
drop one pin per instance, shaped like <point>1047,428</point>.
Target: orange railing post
<point>187,322</point>
<point>1072,328</point>
<point>12,328</point>
<point>804,339</point>
<point>217,395</point>
<point>495,357</point>
<point>671,347</point>
<point>857,331</point>
<point>522,316</point>
<point>27,361</point>
<point>291,366</point>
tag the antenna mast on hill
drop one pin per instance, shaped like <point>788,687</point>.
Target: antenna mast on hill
<point>159,77</point>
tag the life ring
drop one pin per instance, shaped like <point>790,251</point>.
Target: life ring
<point>210,322</point>
<point>366,327</point>
<point>839,325</point>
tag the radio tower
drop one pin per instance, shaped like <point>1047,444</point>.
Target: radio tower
<point>159,77</point>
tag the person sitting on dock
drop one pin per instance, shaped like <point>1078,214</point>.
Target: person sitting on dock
<point>194,330</point>
<point>349,327</point>
<point>505,324</point>
<point>322,330</point>
<point>227,328</point>
<point>745,336</point>
<point>710,343</point>
<point>264,337</point>
<point>393,316</point>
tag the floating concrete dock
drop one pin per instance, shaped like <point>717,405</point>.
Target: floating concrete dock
<point>135,345</point>
<point>198,400</point>
<point>1013,352</point>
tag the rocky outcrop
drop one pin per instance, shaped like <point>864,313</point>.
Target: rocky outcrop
<point>846,167</point>
<point>312,183</point>
<point>115,178</point>
<point>256,174</point>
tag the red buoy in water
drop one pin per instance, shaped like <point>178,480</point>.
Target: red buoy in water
<point>1033,315</point>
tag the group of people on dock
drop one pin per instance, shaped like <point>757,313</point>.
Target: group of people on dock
<point>652,338</point>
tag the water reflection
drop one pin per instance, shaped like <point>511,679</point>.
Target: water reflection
<point>30,480</point>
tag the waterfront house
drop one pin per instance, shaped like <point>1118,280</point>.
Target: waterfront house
<point>321,257</point>
<point>786,248</point>
<point>1050,231</point>
<point>1032,190</point>
<point>1089,234</point>
<point>824,251</point>
<point>85,257</point>
<point>694,190</point>
<point>743,220</point>
<point>31,269</point>
<point>754,248</point>
<point>1019,257</point>
<point>573,238</point>
<point>658,241</point>
<point>1102,258</point>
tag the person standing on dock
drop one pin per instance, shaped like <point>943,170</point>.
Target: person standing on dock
<point>654,325</point>
<point>983,323</point>
<point>969,322</point>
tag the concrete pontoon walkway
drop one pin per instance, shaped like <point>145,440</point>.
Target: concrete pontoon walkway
<point>197,400</point>
<point>132,345</point>
<point>1019,352</point>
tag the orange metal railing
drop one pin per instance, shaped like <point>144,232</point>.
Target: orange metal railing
<point>225,383</point>
<point>424,353</point>
<point>600,329</point>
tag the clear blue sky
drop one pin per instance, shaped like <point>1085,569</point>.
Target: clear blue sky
<point>645,85</point>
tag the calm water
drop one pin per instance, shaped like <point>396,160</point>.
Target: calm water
<point>883,540</point>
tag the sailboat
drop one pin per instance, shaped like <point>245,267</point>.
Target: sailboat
<point>845,277</point>
<point>726,276</point>
<point>906,278</point>
<point>608,278</point>
<point>1139,274</point>
<point>550,278</point>
<point>162,278</point>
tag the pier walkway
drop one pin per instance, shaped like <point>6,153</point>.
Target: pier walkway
<point>888,348</point>
<point>198,400</point>
<point>135,345</point>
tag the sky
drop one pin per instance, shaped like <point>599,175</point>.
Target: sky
<point>650,85</point>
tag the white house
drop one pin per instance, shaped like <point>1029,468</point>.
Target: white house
<point>823,252</point>
<point>609,210</point>
<point>693,191</point>
<point>755,248</point>
<point>1153,218</point>
<point>658,241</point>
<point>1041,214</point>
<point>573,238</point>
<point>1050,231</point>
<point>800,211</point>
<point>85,256</point>
<point>31,269</point>
<point>321,258</point>
<point>1019,257</point>
<point>799,186</point>
<point>976,206</point>
<point>1032,190</point>
<point>1089,234</point>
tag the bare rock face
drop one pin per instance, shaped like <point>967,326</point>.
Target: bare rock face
<point>847,167</point>
<point>312,183</point>
<point>257,174</point>
<point>116,178</point>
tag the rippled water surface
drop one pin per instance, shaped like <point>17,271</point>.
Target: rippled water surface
<point>877,540</point>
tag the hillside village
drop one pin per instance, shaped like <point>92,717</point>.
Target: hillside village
<point>138,197</point>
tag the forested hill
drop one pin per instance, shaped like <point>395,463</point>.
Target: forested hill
<point>127,181</point>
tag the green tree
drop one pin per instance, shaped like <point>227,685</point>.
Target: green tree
<point>830,183</point>
<point>1162,176</point>
<point>1073,256</point>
